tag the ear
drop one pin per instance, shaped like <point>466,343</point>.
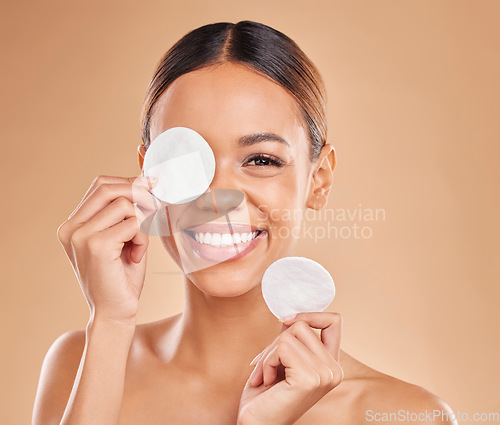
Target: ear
<point>141,151</point>
<point>322,178</point>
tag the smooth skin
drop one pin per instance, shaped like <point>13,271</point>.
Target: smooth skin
<point>225,359</point>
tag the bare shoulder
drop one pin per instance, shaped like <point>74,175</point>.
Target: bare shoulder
<point>393,400</point>
<point>58,372</point>
<point>369,396</point>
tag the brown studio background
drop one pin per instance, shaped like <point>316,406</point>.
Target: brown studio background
<point>413,114</point>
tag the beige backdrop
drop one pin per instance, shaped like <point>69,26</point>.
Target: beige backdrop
<point>413,114</point>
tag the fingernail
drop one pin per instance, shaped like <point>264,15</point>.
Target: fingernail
<point>288,318</point>
<point>251,378</point>
<point>256,359</point>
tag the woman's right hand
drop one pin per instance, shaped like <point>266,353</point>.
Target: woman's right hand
<point>106,247</point>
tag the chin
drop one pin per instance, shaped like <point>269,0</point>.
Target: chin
<point>224,284</point>
<point>236,275</point>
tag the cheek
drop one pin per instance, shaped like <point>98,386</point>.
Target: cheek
<point>281,201</point>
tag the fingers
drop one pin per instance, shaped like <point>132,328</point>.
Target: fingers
<point>128,230</point>
<point>303,332</point>
<point>103,191</point>
<point>111,241</point>
<point>118,210</point>
<point>100,180</point>
<point>302,370</point>
<point>322,354</point>
<point>290,352</point>
<point>108,202</point>
<point>330,325</point>
<point>102,195</point>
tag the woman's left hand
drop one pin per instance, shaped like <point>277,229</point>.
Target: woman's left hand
<point>294,372</point>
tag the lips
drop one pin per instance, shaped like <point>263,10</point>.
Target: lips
<point>223,241</point>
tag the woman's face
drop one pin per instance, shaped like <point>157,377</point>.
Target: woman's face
<point>228,105</point>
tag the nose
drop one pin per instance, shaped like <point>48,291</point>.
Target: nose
<point>223,196</point>
<point>222,201</point>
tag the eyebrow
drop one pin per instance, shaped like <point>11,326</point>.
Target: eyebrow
<point>251,139</point>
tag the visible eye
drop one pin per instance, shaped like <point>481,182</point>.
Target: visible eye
<point>262,160</point>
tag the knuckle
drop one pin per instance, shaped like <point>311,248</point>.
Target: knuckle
<point>102,189</point>
<point>337,318</point>
<point>99,180</point>
<point>284,346</point>
<point>300,325</point>
<point>313,381</point>
<point>123,203</point>
<point>337,374</point>
<point>285,337</point>
<point>76,238</point>
<point>340,377</point>
<point>62,235</point>
<point>316,380</point>
<point>328,378</point>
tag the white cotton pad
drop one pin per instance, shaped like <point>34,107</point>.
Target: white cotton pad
<point>183,163</point>
<point>294,285</point>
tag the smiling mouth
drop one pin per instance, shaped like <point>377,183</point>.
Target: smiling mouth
<point>222,240</point>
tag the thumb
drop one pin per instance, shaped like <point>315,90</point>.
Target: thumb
<point>288,319</point>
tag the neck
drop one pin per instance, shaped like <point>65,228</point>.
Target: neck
<point>219,336</point>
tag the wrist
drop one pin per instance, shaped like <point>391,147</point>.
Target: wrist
<point>100,320</point>
<point>251,421</point>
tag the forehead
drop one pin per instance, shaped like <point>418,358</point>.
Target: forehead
<point>228,100</point>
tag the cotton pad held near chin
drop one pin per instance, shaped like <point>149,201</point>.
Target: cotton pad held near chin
<point>294,285</point>
<point>183,163</point>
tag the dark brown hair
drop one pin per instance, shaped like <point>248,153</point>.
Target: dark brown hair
<point>259,46</point>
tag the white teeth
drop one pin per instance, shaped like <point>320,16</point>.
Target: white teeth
<point>216,239</point>
<point>226,239</point>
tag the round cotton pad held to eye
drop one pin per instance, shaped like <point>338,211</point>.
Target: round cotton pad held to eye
<point>183,163</point>
<point>294,285</point>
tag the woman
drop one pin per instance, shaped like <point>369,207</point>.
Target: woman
<point>260,104</point>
